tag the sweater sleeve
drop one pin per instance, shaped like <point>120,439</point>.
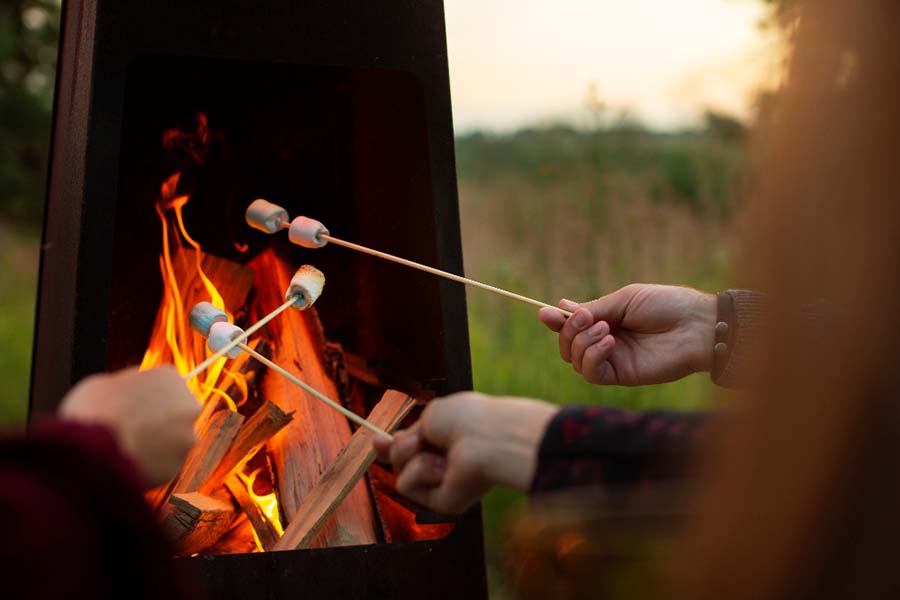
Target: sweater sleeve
<point>75,523</point>
<point>738,324</point>
<point>586,446</point>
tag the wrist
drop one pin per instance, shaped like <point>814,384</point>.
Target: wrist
<point>517,441</point>
<point>703,332</point>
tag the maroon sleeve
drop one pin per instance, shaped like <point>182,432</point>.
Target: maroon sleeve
<point>74,521</point>
<point>586,446</point>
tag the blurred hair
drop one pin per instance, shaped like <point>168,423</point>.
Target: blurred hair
<point>802,498</point>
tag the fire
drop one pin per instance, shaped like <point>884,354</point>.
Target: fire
<point>185,283</point>
<point>172,340</point>
<point>267,503</point>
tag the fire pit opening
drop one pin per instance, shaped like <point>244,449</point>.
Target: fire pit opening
<point>201,139</point>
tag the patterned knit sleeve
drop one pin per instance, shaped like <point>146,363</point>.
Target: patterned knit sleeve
<point>586,446</point>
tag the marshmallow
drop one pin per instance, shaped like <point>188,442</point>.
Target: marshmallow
<point>203,315</point>
<point>305,232</point>
<point>220,334</point>
<point>265,216</point>
<point>306,285</point>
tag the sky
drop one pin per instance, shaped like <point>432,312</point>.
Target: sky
<point>523,62</point>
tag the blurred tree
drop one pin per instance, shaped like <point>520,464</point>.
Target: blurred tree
<point>725,126</point>
<point>29,30</point>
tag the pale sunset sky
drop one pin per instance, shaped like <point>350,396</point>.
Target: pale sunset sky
<point>524,62</point>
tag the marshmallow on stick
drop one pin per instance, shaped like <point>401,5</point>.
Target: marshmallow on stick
<point>307,232</point>
<point>212,323</point>
<point>203,315</point>
<point>221,334</point>
<point>306,285</point>
<point>310,233</point>
<point>265,216</point>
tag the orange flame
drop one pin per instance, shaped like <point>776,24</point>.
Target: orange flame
<point>172,340</point>
<point>267,503</point>
<point>185,283</point>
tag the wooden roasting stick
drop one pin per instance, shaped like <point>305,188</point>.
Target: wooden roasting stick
<point>344,472</point>
<point>316,393</point>
<point>441,273</point>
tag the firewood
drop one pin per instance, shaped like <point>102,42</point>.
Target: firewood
<point>265,422</point>
<point>264,528</point>
<point>303,450</point>
<point>215,435</point>
<point>343,474</point>
<point>237,540</point>
<point>212,445</point>
<point>195,521</point>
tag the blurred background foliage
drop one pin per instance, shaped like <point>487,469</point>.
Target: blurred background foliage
<point>28,37</point>
<point>551,211</point>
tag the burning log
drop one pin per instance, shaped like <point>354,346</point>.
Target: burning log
<point>265,530</point>
<point>302,451</point>
<point>217,431</point>
<point>195,521</point>
<point>265,423</point>
<point>237,540</point>
<point>212,445</point>
<point>343,474</point>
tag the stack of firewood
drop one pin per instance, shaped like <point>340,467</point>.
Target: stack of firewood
<point>310,455</point>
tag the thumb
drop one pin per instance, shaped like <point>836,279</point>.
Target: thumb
<point>611,307</point>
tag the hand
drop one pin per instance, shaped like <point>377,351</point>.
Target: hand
<point>463,445</point>
<point>152,414</point>
<point>638,335</point>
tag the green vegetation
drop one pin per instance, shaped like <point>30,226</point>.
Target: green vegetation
<point>18,258</point>
<point>28,34</point>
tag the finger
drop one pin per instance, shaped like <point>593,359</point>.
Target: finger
<point>578,322</point>
<point>568,305</point>
<point>444,419</point>
<point>596,367</point>
<point>552,318</point>
<point>382,446</point>
<point>585,340</point>
<point>612,307</point>
<point>422,472</point>
<point>406,445</point>
<point>463,483</point>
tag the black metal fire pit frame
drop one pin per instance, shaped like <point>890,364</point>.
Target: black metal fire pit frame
<point>100,39</point>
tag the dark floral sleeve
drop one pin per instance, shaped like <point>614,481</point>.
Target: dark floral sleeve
<point>592,445</point>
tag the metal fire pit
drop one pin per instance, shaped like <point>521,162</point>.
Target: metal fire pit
<point>357,96</point>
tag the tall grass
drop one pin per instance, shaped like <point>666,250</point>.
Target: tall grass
<point>560,213</point>
<point>19,260</point>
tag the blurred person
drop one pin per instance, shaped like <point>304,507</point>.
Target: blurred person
<point>73,517</point>
<point>798,493</point>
